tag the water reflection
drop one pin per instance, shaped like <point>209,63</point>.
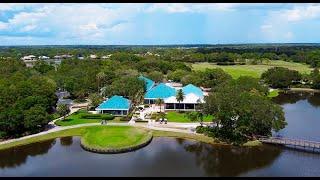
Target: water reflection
<point>293,97</point>
<point>302,114</point>
<point>66,141</point>
<point>17,156</point>
<point>232,161</point>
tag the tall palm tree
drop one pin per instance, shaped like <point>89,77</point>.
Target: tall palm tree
<point>100,77</point>
<point>159,102</point>
<point>180,96</point>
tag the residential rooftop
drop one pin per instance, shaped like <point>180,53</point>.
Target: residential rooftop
<point>115,103</point>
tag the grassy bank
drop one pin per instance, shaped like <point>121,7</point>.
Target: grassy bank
<point>62,133</point>
<point>97,139</point>
<point>253,70</point>
<point>174,116</point>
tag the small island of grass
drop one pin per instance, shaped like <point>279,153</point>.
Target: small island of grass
<point>115,139</point>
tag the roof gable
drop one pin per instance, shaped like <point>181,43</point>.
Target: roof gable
<point>115,102</point>
<point>160,91</point>
<point>190,88</point>
<point>149,83</point>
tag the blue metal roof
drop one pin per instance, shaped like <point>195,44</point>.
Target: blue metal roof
<point>160,91</point>
<point>115,103</point>
<point>190,88</point>
<point>149,82</point>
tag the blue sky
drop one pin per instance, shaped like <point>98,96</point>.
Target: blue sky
<point>152,23</point>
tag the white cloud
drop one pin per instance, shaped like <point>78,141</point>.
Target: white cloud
<point>297,13</point>
<point>72,20</point>
<point>28,28</point>
<point>288,35</point>
<point>187,7</point>
<point>279,23</point>
<point>266,27</point>
<point>3,25</point>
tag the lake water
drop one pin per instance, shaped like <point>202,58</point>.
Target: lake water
<point>177,157</point>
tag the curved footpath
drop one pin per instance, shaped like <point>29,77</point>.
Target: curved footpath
<point>59,128</point>
<point>304,89</point>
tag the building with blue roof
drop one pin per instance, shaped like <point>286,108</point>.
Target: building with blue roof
<point>190,88</point>
<point>160,91</point>
<point>116,105</point>
<point>149,82</point>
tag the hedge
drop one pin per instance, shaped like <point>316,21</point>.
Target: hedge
<point>98,116</point>
<point>231,63</point>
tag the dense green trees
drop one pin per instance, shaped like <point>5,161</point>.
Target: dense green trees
<point>243,112</point>
<point>26,100</point>
<point>63,110</point>
<point>43,67</point>
<point>315,78</point>
<point>279,77</point>
<point>78,77</point>
<point>208,78</point>
<point>125,86</point>
<point>95,99</point>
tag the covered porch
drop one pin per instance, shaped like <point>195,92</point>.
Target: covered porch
<point>114,112</point>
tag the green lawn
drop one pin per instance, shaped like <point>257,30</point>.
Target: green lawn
<point>75,119</point>
<point>273,93</point>
<point>81,131</point>
<point>106,137</point>
<point>254,70</point>
<point>173,116</point>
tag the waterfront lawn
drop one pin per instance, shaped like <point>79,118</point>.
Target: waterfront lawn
<point>75,119</point>
<point>81,131</point>
<point>253,70</point>
<point>174,116</point>
<point>110,137</point>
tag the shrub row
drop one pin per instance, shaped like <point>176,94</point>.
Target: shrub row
<point>98,116</point>
<point>231,63</point>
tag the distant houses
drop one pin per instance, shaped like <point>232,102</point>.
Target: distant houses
<point>29,60</point>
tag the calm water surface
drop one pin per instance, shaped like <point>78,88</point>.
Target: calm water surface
<point>177,157</point>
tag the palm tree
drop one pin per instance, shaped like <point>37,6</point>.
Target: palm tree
<point>159,102</point>
<point>180,96</point>
<point>100,77</point>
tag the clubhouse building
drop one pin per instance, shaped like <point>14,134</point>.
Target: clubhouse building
<point>193,95</point>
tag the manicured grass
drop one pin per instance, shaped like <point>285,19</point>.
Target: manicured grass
<point>273,93</point>
<point>253,70</point>
<point>113,137</point>
<point>75,119</point>
<point>82,131</point>
<point>173,116</point>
